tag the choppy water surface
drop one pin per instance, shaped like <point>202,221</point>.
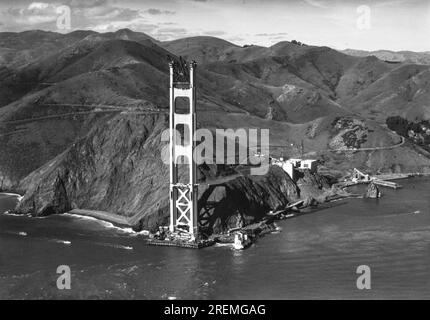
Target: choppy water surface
<point>314,256</point>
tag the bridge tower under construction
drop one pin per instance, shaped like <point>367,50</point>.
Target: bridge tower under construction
<point>183,194</point>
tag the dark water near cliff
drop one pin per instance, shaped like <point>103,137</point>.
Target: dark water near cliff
<point>314,256</point>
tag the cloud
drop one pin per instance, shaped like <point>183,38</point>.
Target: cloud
<point>34,14</point>
<point>170,33</point>
<point>106,14</point>
<point>316,3</point>
<point>215,33</point>
<point>38,6</point>
<point>108,18</point>
<point>86,3</point>
<point>95,14</point>
<point>271,34</point>
<point>136,25</point>
<point>154,12</point>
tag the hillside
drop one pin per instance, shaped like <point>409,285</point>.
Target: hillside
<point>404,91</point>
<point>23,48</point>
<point>118,168</point>
<point>201,49</point>
<point>80,123</point>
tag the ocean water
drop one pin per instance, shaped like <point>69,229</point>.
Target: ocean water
<point>314,256</point>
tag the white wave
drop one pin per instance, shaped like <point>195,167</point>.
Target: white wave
<point>290,215</point>
<point>18,196</point>
<point>336,200</point>
<point>108,225</point>
<point>400,214</point>
<point>17,233</point>
<point>62,241</point>
<point>218,244</point>
<point>113,245</point>
<point>408,213</point>
<point>8,213</point>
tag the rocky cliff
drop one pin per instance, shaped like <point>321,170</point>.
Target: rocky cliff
<point>118,168</point>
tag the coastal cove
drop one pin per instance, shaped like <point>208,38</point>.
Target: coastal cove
<point>315,255</point>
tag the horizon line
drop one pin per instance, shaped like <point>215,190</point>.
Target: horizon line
<point>214,37</point>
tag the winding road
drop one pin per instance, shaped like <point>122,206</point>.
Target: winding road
<point>402,142</point>
<point>108,109</point>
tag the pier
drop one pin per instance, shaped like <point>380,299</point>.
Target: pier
<point>359,177</point>
<point>385,183</point>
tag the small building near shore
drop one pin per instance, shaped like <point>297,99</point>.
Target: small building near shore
<point>309,164</point>
<point>291,166</point>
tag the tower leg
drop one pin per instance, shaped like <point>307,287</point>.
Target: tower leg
<point>183,206</point>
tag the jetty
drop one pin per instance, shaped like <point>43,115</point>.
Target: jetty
<point>358,177</point>
<point>385,183</point>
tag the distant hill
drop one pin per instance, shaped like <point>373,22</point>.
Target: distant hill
<point>393,56</point>
<point>23,48</point>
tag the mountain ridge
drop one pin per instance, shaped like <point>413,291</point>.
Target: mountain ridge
<point>330,102</point>
<point>393,56</point>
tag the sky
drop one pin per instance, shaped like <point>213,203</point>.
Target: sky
<point>340,24</point>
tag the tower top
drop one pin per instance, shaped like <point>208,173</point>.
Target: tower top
<point>181,71</point>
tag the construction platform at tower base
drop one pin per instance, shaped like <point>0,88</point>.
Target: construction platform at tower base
<point>178,239</point>
<point>198,244</point>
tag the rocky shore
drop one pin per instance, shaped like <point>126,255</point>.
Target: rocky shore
<point>240,201</point>
<point>249,204</point>
<point>263,201</point>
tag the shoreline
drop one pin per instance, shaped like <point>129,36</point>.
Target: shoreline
<point>115,219</point>
<point>266,222</point>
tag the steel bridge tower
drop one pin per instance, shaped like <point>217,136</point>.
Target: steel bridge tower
<point>183,194</point>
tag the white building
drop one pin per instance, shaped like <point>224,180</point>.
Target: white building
<point>310,164</point>
<point>291,166</point>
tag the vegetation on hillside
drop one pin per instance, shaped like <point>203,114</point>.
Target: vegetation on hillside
<point>418,132</point>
